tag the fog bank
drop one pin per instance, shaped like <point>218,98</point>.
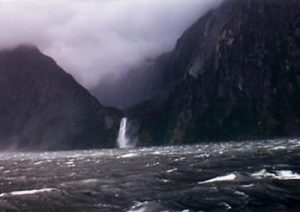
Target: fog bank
<point>92,39</point>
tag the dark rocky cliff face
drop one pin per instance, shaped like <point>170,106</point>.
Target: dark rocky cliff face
<point>240,67</point>
<point>43,107</point>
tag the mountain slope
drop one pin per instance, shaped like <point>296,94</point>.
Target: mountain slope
<point>140,83</point>
<point>43,107</point>
<point>241,77</point>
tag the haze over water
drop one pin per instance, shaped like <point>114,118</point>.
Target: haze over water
<point>245,176</point>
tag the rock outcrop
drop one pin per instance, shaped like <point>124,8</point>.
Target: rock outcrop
<point>44,108</point>
<point>240,77</point>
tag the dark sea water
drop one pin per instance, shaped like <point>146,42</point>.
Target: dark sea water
<point>245,176</point>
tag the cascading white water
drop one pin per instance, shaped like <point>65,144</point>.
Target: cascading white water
<point>123,140</point>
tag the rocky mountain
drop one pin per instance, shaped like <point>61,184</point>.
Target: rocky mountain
<point>140,83</point>
<point>44,108</point>
<point>240,77</point>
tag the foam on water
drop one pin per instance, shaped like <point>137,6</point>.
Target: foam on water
<point>171,170</point>
<point>279,175</point>
<point>27,192</point>
<point>262,174</point>
<point>172,178</point>
<point>287,175</point>
<point>229,177</point>
<point>129,155</point>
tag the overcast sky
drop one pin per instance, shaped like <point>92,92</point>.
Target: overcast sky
<point>90,39</point>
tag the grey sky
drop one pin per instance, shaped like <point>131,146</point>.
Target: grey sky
<point>90,39</point>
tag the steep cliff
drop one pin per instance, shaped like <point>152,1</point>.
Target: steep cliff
<point>43,107</point>
<point>240,66</point>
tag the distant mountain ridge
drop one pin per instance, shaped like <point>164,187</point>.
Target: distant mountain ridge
<point>140,83</point>
<point>240,77</point>
<point>44,108</point>
<point>234,74</point>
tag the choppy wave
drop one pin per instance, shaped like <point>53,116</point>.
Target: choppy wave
<point>27,192</point>
<point>238,176</point>
<point>262,174</point>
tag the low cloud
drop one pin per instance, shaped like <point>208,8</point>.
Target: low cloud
<point>92,39</point>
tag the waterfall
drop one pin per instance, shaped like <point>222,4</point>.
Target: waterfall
<point>123,140</point>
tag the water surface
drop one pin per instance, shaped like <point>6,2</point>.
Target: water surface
<point>233,176</point>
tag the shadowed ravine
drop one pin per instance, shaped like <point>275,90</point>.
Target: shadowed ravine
<point>245,176</point>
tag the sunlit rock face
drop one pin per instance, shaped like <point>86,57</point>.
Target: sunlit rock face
<point>43,107</point>
<point>240,66</point>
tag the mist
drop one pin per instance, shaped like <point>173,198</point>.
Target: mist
<point>96,40</point>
